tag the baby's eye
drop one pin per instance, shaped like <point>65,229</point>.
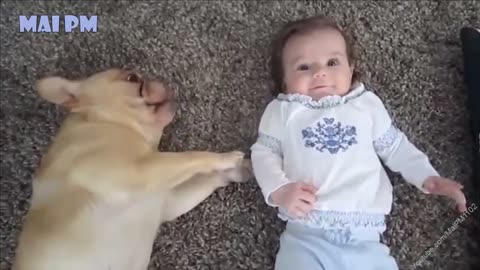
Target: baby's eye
<point>302,67</point>
<point>333,62</point>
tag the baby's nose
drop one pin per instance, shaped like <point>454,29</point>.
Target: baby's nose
<point>319,72</point>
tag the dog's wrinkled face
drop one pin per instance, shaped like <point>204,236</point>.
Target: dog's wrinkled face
<point>120,96</point>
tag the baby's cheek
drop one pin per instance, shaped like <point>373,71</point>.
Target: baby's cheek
<point>344,83</point>
<point>298,84</point>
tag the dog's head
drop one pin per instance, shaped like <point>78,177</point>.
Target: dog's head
<point>115,95</point>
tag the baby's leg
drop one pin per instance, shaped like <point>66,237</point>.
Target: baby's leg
<point>304,248</point>
<point>365,251</point>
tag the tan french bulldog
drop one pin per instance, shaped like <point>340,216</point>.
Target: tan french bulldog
<point>103,189</point>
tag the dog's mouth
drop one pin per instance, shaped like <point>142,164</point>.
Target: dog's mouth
<point>158,98</point>
<point>154,105</point>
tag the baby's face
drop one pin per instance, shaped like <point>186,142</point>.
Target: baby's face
<point>316,64</point>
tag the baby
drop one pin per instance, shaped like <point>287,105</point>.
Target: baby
<point>319,151</point>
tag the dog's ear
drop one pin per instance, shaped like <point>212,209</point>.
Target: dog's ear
<point>59,90</point>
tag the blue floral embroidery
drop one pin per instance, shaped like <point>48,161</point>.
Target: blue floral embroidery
<point>329,135</point>
<point>271,142</point>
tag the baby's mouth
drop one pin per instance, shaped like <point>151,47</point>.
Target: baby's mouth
<point>321,88</point>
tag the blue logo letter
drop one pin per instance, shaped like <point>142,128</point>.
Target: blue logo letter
<point>55,23</point>
<point>88,24</point>
<point>70,22</point>
<point>44,25</point>
<point>28,24</point>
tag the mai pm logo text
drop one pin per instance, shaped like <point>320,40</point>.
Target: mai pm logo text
<point>46,23</point>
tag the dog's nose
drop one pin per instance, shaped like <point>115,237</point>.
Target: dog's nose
<point>173,106</point>
<point>170,99</point>
<point>170,93</point>
<point>157,91</point>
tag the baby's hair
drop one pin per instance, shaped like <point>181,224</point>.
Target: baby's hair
<point>298,27</point>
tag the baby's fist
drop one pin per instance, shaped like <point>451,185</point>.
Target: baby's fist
<point>297,198</point>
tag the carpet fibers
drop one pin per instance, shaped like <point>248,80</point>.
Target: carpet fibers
<point>214,54</point>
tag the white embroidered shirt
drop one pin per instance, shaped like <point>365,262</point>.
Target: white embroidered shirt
<point>336,143</point>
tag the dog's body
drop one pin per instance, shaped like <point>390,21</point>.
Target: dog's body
<point>102,190</point>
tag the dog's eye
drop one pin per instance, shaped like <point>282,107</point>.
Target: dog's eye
<point>132,77</point>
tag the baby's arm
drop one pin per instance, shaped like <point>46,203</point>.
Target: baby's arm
<point>266,154</point>
<point>400,155</point>
<point>395,150</point>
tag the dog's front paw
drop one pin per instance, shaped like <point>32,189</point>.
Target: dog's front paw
<point>242,173</point>
<point>230,160</point>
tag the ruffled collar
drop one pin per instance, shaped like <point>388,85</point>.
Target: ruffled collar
<point>324,102</point>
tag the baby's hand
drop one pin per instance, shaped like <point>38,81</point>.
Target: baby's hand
<point>296,198</point>
<point>442,186</point>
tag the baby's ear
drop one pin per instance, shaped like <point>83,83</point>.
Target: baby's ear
<point>59,90</point>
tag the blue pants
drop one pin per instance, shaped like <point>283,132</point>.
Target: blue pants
<point>307,248</point>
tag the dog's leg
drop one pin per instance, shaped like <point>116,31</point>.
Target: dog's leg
<point>107,175</point>
<point>167,170</point>
<point>186,196</point>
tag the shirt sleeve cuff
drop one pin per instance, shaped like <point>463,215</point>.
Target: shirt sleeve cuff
<point>268,194</point>
<point>419,175</point>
